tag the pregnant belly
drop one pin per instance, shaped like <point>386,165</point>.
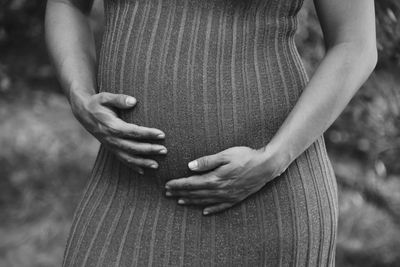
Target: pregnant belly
<point>202,115</point>
<point>204,105</point>
<point>210,78</point>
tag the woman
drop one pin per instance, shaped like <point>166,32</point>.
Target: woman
<point>206,103</point>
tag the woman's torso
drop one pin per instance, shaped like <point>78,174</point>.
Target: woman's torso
<point>211,74</point>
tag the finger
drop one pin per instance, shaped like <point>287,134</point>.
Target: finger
<point>131,166</point>
<point>136,148</point>
<point>117,100</point>
<point>198,201</point>
<point>120,128</point>
<point>217,208</point>
<point>136,169</point>
<point>195,193</point>
<point>207,162</point>
<point>191,183</point>
<point>136,161</point>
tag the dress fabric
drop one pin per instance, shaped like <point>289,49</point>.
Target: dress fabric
<point>212,74</point>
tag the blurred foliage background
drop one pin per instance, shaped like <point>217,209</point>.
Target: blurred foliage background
<point>46,156</point>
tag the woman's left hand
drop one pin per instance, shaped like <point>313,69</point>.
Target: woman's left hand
<point>231,176</point>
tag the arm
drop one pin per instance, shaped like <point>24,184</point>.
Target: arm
<point>349,33</point>
<point>71,47</point>
<point>236,173</point>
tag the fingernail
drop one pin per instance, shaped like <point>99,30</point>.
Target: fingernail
<point>141,171</point>
<point>153,166</point>
<point>167,187</point>
<point>130,101</point>
<point>168,194</point>
<point>161,135</point>
<point>163,151</point>
<point>206,212</point>
<point>181,201</point>
<point>193,165</point>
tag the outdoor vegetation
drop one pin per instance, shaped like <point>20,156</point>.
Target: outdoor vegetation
<point>46,156</point>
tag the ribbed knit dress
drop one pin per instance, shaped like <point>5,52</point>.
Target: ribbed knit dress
<point>211,74</point>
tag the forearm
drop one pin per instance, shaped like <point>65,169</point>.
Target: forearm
<point>343,70</point>
<point>71,46</point>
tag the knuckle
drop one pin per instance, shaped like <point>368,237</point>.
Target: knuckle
<point>185,186</point>
<point>98,132</point>
<point>135,133</point>
<point>91,104</point>
<point>230,191</point>
<point>113,129</point>
<point>214,181</point>
<point>121,98</point>
<point>146,132</point>
<point>109,141</point>
<point>151,132</point>
<point>92,107</point>
<point>142,162</point>
<point>231,198</point>
<point>153,147</point>
<point>226,184</point>
<point>131,160</point>
<point>146,148</point>
<point>204,161</point>
<point>225,158</point>
<point>133,149</point>
<point>102,97</point>
<point>220,193</point>
<point>226,194</point>
<point>119,145</point>
<point>101,129</point>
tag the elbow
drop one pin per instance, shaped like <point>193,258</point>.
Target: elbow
<point>364,53</point>
<point>369,54</point>
<point>372,58</point>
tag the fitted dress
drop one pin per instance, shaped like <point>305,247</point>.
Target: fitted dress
<point>211,74</point>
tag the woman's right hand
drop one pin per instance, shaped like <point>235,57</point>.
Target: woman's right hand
<point>97,113</point>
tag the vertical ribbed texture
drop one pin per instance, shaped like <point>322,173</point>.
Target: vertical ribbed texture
<point>211,74</point>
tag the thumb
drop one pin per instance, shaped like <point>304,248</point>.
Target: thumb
<point>207,162</point>
<point>117,100</point>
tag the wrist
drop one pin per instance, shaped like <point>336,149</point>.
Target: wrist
<point>278,156</point>
<point>78,99</point>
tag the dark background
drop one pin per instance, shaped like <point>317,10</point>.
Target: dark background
<point>46,156</point>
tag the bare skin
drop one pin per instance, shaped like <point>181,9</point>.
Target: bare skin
<point>234,174</point>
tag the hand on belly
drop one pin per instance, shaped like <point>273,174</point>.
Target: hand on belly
<point>227,178</point>
<point>128,142</point>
